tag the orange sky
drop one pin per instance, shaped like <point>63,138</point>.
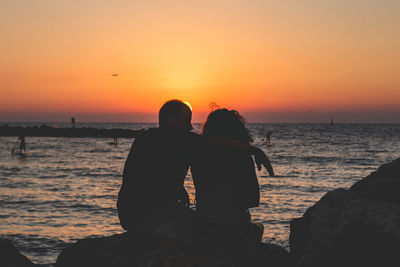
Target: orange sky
<point>270,60</point>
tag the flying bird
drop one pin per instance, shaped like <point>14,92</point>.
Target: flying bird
<point>115,74</point>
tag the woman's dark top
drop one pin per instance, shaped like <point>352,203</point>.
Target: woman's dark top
<point>226,185</point>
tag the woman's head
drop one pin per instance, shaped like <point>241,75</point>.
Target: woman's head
<point>224,123</point>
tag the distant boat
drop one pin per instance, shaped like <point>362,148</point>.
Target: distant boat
<point>332,121</point>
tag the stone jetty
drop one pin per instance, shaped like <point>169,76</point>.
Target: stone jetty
<point>47,131</point>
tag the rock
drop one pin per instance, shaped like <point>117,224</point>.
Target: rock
<point>11,257</point>
<point>176,248</point>
<point>272,255</point>
<point>116,250</point>
<point>172,250</point>
<point>355,227</point>
<point>382,185</point>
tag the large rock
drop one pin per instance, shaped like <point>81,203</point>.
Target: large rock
<point>169,250</point>
<point>227,249</point>
<point>11,257</point>
<point>116,250</point>
<point>382,185</point>
<point>355,227</point>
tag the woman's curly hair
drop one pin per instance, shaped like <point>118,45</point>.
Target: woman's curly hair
<point>224,123</point>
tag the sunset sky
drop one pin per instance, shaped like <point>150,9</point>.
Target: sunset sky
<point>274,61</point>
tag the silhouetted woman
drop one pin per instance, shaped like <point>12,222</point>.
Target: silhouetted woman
<point>225,180</point>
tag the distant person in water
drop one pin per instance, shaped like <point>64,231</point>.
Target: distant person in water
<point>225,180</point>
<point>22,146</point>
<point>152,189</point>
<point>268,139</point>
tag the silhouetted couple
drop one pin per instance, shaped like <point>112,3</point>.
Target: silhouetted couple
<point>222,167</point>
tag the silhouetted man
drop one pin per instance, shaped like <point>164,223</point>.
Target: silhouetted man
<point>152,187</point>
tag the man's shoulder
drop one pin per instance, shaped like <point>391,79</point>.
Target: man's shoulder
<point>157,133</point>
<point>148,133</point>
<point>194,137</point>
<point>145,137</point>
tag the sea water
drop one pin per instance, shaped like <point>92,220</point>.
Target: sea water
<point>66,188</point>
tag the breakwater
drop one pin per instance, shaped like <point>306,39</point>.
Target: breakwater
<point>47,131</point>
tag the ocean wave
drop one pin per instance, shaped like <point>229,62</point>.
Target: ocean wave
<point>49,176</point>
<point>95,151</point>
<point>319,159</point>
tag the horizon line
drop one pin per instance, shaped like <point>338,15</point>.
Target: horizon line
<point>2,123</point>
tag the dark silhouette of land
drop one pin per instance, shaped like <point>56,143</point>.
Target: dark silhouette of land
<point>47,131</point>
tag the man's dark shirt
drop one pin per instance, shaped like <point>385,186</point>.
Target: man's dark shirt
<point>153,177</point>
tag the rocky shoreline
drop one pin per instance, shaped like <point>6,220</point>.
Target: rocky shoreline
<point>359,226</point>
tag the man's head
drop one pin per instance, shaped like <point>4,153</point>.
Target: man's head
<point>175,115</point>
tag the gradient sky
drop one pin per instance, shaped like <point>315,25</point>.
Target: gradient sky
<point>274,61</point>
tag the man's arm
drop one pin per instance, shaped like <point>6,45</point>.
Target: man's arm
<point>259,155</point>
<point>124,203</point>
<point>262,159</point>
